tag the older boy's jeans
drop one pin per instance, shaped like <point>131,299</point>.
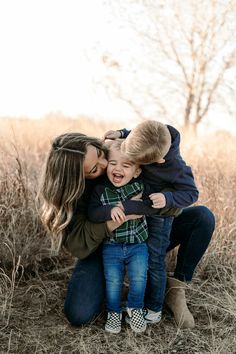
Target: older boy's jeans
<point>158,241</point>
<point>192,231</point>
<point>116,257</point>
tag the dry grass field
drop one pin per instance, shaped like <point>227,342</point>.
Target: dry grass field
<point>33,282</point>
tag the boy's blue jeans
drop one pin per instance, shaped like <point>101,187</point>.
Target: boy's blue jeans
<point>158,241</point>
<point>191,230</point>
<point>116,257</point>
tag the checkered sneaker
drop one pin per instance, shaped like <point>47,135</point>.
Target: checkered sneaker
<point>152,316</point>
<point>113,323</point>
<point>136,320</point>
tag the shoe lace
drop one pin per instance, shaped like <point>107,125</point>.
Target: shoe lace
<point>145,311</point>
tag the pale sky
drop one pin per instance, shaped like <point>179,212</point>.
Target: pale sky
<point>44,63</point>
<point>49,59</point>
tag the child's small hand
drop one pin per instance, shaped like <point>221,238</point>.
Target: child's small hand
<point>158,200</point>
<point>112,134</point>
<point>117,214</point>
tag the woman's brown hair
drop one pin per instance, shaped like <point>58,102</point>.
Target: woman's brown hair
<point>63,181</point>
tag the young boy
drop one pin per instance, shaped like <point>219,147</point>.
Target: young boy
<point>156,147</point>
<point>127,247</point>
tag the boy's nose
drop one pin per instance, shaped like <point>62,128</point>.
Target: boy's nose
<point>117,169</point>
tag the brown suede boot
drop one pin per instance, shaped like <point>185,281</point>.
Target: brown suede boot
<point>176,301</point>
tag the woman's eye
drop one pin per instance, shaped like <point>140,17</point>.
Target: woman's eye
<point>99,153</point>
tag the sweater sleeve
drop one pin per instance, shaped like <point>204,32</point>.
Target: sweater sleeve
<point>83,237</point>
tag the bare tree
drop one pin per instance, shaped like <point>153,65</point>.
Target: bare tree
<point>186,66</point>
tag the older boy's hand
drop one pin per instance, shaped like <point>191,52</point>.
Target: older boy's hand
<point>158,200</point>
<point>112,134</point>
<point>117,214</point>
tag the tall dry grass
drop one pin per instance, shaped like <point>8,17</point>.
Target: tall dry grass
<point>33,282</point>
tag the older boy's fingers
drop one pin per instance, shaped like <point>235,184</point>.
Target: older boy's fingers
<point>110,134</point>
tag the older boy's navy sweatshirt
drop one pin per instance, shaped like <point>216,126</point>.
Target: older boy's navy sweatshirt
<point>172,174</point>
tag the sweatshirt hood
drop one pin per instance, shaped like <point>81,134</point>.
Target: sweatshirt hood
<point>175,141</point>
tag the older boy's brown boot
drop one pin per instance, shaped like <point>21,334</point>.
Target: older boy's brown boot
<point>176,301</point>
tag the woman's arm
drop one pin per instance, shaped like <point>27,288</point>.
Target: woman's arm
<point>83,237</point>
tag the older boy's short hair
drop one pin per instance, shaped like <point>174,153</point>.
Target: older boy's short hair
<point>148,142</point>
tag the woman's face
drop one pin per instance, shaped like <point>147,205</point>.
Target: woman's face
<point>95,163</point>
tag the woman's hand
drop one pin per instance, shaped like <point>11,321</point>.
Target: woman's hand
<point>112,225</point>
<point>111,134</point>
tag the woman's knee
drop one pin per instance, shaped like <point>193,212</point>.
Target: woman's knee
<point>78,316</point>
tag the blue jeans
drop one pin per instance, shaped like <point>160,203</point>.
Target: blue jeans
<point>117,256</point>
<point>192,231</point>
<point>158,241</point>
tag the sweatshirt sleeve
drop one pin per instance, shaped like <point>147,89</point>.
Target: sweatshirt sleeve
<point>185,191</point>
<point>96,211</point>
<point>124,133</point>
<point>138,208</point>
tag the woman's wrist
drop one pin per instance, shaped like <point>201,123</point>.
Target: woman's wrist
<point>112,225</point>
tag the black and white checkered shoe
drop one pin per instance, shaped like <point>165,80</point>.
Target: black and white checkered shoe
<point>113,323</point>
<point>136,320</point>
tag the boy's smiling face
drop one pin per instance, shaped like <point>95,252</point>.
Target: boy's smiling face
<point>120,169</point>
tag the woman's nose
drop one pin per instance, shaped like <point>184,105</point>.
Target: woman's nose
<point>103,163</point>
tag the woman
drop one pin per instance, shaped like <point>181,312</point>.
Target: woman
<point>73,166</point>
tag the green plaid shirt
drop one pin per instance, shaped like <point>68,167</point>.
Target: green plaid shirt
<point>132,231</point>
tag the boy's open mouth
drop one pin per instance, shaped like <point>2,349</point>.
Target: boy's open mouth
<point>117,177</point>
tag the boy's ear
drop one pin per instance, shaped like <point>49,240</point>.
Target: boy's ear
<point>137,173</point>
<point>161,160</point>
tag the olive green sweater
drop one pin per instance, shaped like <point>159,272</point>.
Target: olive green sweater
<point>83,237</point>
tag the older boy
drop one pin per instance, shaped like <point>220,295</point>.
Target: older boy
<point>156,146</point>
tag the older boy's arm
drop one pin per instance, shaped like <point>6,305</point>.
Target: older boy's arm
<point>115,134</point>
<point>138,207</point>
<point>145,208</point>
<point>185,190</point>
